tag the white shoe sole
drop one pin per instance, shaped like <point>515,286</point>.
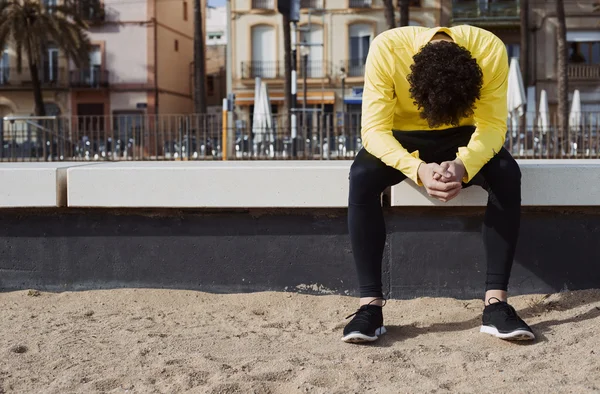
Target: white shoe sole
<point>517,335</point>
<point>357,337</point>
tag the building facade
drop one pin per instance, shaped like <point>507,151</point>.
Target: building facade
<point>139,65</point>
<point>337,34</point>
<point>503,18</point>
<point>216,45</point>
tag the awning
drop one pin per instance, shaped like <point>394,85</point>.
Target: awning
<point>353,100</point>
<point>314,97</point>
<point>583,36</point>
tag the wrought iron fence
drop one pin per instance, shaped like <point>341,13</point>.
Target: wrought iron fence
<point>48,75</point>
<point>316,4</point>
<point>263,4</point>
<point>354,67</point>
<point>317,136</point>
<point>276,69</point>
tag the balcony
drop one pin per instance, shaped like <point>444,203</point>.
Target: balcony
<point>48,77</point>
<point>361,3</point>
<point>485,12</point>
<point>584,72</point>
<point>354,67</point>
<point>92,79</point>
<point>276,70</point>
<point>91,11</point>
<point>266,70</point>
<point>315,4</point>
<point>263,4</point>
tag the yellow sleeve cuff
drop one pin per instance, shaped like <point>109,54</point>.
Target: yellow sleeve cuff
<point>409,165</point>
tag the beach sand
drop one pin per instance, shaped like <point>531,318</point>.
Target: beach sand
<point>173,341</point>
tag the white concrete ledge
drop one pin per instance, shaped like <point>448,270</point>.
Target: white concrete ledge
<point>29,185</point>
<point>241,184</point>
<point>544,183</point>
<point>298,184</point>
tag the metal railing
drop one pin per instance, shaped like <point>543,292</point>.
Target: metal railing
<point>313,69</point>
<point>276,69</point>
<point>475,9</point>
<point>9,76</point>
<point>584,71</point>
<point>361,3</point>
<point>263,4</point>
<point>319,136</point>
<point>263,69</point>
<point>315,4</point>
<point>354,67</point>
<point>88,78</point>
<point>90,10</point>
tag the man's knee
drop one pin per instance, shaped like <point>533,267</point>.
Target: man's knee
<point>359,176</point>
<point>364,181</point>
<point>504,170</point>
<point>510,170</point>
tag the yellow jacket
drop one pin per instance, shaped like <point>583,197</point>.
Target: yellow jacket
<point>387,104</point>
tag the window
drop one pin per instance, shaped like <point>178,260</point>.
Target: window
<point>215,36</point>
<point>92,74</point>
<point>210,85</point>
<point>176,46</point>
<point>263,4</point>
<point>316,4</point>
<point>513,50</point>
<point>360,3</point>
<point>185,11</point>
<point>50,73</point>
<point>4,67</point>
<point>315,67</point>
<point>584,52</point>
<point>48,4</point>
<point>360,40</point>
<point>263,52</point>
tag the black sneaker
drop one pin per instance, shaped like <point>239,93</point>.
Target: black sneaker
<point>501,320</point>
<point>366,326</point>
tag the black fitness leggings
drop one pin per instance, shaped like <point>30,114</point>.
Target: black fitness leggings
<point>369,177</point>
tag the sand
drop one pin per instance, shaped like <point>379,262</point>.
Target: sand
<point>167,341</point>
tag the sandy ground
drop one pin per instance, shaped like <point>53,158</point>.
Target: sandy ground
<point>164,341</point>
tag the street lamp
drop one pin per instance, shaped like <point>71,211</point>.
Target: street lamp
<point>343,79</point>
<point>304,52</point>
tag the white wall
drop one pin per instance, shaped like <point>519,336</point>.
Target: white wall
<point>127,101</point>
<point>126,46</point>
<point>216,21</point>
<point>120,10</point>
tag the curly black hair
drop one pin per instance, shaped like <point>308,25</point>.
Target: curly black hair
<point>445,81</point>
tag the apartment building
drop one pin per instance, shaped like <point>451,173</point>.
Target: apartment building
<point>338,32</point>
<point>216,43</point>
<point>139,64</point>
<point>583,36</point>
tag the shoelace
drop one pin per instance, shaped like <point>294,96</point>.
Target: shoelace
<point>508,310</point>
<point>365,307</point>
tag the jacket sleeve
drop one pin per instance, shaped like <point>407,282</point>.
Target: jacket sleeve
<point>490,119</point>
<point>379,102</point>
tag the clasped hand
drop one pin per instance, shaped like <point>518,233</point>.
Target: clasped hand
<point>442,181</point>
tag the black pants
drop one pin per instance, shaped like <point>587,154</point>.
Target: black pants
<point>369,177</point>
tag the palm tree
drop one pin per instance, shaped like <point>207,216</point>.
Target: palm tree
<point>199,59</point>
<point>563,88</point>
<point>390,16</point>
<point>28,27</point>
<point>404,5</point>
